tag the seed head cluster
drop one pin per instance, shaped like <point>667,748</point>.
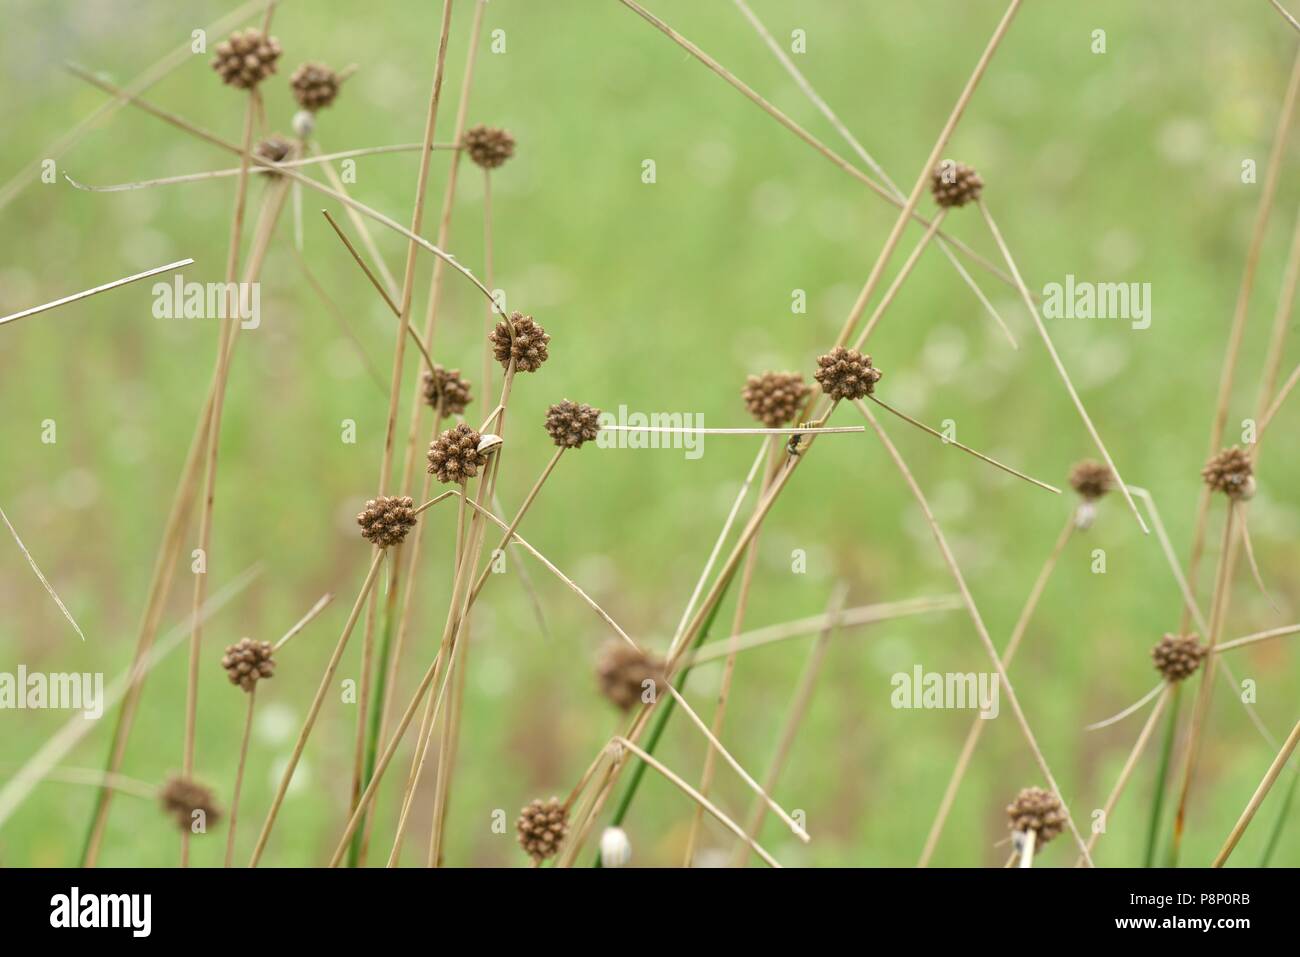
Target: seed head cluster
<point>846,374</point>
<point>454,456</point>
<point>1178,656</point>
<point>1231,473</point>
<point>386,520</point>
<point>624,674</point>
<point>180,798</point>
<point>774,398</point>
<point>572,423</point>
<point>247,662</point>
<point>448,386</point>
<point>1091,479</point>
<point>521,339</point>
<point>488,146</point>
<point>246,58</point>
<point>1037,810</point>
<point>955,184</point>
<point>542,826</point>
<point>314,86</point>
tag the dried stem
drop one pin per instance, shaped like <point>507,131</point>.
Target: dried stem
<point>239,777</point>
<point>978,621</point>
<point>1256,799</point>
<point>310,722</point>
<point>978,724</point>
<point>1060,366</point>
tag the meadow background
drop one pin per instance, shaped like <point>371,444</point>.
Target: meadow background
<point>1124,166</point>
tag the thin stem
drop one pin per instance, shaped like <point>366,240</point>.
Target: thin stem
<point>1282,632</point>
<point>1060,366</point>
<point>794,717</point>
<point>908,264</point>
<point>1027,848</point>
<point>1129,764</point>
<point>1162,776</point>
<point>87,293</point>
<point>228,331</point>
<point>965,448</point>
<point>979,723</point>
<point>977,620</point>
<point>799,131</point>
<point>1205,690</point>
<point>802,82</point>
<point>239,777</point>
<point>699,799</point>
<point>1257,798</point>
<point>1283,813</point>
<point>310,722</point>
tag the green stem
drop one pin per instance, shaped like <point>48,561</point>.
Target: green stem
<point>1282,815</point>
<point>661,720</point>
<point>1162,776</point>
<point>376,719</point>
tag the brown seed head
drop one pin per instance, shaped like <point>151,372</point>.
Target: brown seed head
<point>1091,479</point>
<point>488,146</point>
<point>1037,810</point>
<point>275,148</point>
<point>454,456</point>
<point>846,374</point>
<point>955,184</point>
<point>774,398</point>
<point>625,674</point>
<point>572,423</point>
<point>521,339</point>
<point>246,58</point>
<point>247,662</point>
<point>180,798</point>
<point>1178,656</point>
<point>314,86</point>
<point>449,386</point>
<point>1231,473</point>
<point>542,826</point>
<point>386,520</point>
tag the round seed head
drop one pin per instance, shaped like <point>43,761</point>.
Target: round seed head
<point>542,826</point>
<point>1178,656</point>
<point>955,184</point>
<point>180,798</point>
<point>386,520</point>
<point>246,58</point>
<point>846,374</point>
<point>247,662</point>
<point>274,148</point>
<point>774,398</point>
<point>488,146</point>
<point>449,386</point>
<point>1231,473</point>
<point>627,675</point>
<point>572,423</point>
<point>521,339</point>
<point>314,86</point>
<point>454,456</point>
<point>1091,479</point>
<point>1037,810</point>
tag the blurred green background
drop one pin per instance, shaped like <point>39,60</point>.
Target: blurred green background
<point>1122,166</point>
